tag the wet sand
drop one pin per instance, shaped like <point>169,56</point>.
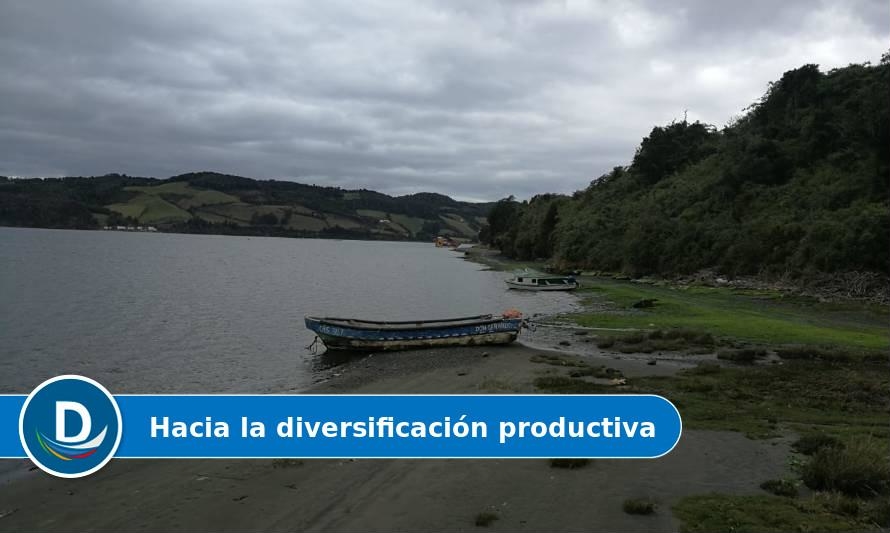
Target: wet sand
<point>398,495</point>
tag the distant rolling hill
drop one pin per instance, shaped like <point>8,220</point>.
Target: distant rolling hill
<point>208,202</point>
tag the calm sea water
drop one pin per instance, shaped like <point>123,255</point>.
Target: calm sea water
<point>193,313</point>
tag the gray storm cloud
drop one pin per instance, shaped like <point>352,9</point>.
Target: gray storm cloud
<point>478,100</point>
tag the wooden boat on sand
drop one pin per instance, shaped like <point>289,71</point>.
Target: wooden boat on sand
<point>369,335</point>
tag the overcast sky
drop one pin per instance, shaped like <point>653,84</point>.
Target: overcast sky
<point>476,99</point>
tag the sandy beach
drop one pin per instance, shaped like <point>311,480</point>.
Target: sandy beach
<point>401,495</point>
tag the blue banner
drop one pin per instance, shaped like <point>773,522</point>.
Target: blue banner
<point>370,426</point>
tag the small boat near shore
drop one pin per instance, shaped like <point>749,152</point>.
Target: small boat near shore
<point>370,335</point>
<point>532,280</point>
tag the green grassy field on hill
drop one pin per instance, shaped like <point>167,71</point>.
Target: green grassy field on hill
<point>207,202</point>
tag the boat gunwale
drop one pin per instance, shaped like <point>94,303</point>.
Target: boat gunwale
<point>372,325</point>
<point>566,281</point>
<point>539,275</point>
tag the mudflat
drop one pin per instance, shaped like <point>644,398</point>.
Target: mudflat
<point>388,495</point>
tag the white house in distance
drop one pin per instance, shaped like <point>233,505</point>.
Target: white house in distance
<point>130,228</point>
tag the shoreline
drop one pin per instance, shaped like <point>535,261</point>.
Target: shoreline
<point>822,287</point>
<point>168,232</point>
<point>444,494</point>
<point>389,494</point>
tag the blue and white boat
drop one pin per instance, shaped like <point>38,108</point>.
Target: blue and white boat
<point>369,335</point>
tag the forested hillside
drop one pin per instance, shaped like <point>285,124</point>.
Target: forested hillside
<point>798,185</point>
<point>208,202</point>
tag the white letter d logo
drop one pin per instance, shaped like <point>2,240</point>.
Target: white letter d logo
<point>86,422</point>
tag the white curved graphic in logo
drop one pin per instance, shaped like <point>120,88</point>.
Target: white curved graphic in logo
<point>90,445</point>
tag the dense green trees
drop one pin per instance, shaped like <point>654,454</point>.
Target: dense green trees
<point>671,148</point>
<point>797,185</point>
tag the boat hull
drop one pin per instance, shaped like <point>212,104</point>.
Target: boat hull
<point>339,343</point>
<point>336,336</point>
